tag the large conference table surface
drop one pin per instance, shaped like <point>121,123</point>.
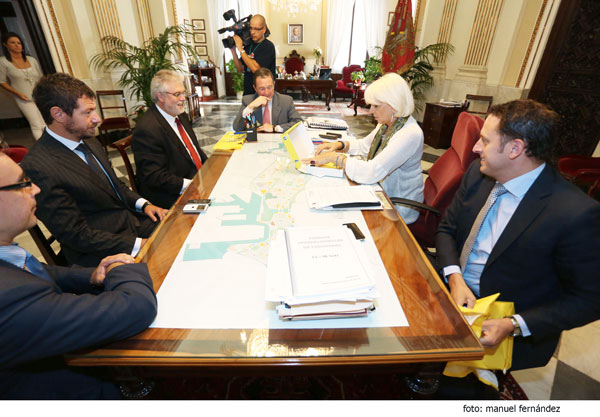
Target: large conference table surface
<point>437,331</point>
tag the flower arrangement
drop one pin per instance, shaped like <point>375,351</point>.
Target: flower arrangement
<point>317,52</point>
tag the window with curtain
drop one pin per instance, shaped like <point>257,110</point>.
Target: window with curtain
<point>360,25</point>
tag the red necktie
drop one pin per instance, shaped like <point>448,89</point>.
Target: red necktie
<point>188,144</point>
<point>266,116</point>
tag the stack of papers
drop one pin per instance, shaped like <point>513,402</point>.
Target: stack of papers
<point>325,123</point>
<point>299,145</point>
<point>359,197</point>
<point>231,141</point>
<point>317,273</point>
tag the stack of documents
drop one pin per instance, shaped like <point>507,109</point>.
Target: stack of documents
<point>359,197</point>
<point>317,273</point>
<point>299,145</point>
<point>230,141</point>
<point>325,123</point>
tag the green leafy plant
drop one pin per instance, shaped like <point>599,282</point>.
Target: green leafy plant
<point>140,64</point>
<point>357,75</point>
<point>418,76</point>
<point>236,77</point>
<point>373,66</point>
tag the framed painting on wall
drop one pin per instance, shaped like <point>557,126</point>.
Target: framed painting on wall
<point>199,37</point>
<point>201,50</point>
<point>296,33</point>
<point>198,24</point>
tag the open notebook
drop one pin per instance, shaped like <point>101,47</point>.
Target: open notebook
<point>299,145</point>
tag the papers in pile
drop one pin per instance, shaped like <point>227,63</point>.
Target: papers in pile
<point>317,273</point>
<point>230,141</point>
<point>325,123</point>
<point>299,145</point>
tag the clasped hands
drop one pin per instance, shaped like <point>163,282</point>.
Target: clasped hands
<point>493,331</point>
<point>107,264</point>
<point>325,153</point>
<point>261,101</point>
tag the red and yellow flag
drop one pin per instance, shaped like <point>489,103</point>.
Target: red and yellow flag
<point>399,49</point>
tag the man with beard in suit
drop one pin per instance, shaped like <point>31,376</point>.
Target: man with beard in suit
<point>166,150</point>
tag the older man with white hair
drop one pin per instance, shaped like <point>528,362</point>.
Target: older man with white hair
<point>166,151</point>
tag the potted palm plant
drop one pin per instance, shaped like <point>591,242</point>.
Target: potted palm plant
<point>237,79</point>
<point>141,63</point>
<point>418,75</point>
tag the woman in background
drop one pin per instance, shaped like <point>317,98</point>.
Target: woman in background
<point>18,75</point>
<point>392,151</point>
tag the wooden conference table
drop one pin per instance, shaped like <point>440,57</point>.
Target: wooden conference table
<point>437,331</point>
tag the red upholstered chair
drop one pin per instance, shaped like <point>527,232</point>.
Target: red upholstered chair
<point>342,90</point>
<point>444,178</point>
<point>293,63</point>
<point>581,170</point>
<point>16,152</point>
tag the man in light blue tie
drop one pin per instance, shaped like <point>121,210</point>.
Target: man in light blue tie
<point>47,311</point>
<point>517,228</point>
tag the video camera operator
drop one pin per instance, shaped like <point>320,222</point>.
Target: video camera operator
<point>260,53</point>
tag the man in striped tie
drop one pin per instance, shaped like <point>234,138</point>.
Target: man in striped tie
<point>166,151</point>
<point>47,311</point>
<point>517,228</point>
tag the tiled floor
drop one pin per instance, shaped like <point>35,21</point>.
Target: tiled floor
<point>573,373</point>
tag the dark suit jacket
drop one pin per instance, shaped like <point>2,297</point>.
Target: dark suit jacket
<point>40,319</point>
<point>546,259</point>
<point>78,207</point>
<point>283,112</point>
<point>161,160</point>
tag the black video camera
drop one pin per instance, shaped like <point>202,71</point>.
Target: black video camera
<point>240,27</point>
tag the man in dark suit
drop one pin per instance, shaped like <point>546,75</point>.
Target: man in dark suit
<point>166,151</point>
<point>47,311</point>
<point>536,245</point>
<point>83,204</point>
<point>275,112</point>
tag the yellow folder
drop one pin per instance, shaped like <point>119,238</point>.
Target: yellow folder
<point>498,358</point>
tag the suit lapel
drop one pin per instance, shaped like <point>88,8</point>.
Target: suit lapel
<point>170,133</point>
<point>275,109</point>
<point>534,201</point>
<point>66,157</point>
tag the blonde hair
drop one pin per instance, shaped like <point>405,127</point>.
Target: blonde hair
<point>157,84</point>
<point>393,90</point>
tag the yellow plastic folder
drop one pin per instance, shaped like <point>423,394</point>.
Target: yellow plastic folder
<point>498,358</point>
<point>230,141</point>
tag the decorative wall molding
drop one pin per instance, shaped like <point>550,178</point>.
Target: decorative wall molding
<point>480,42</point>
<point>446,25</point>
<point>53,35</point>
<point>537,42</point>
<point>143,9</point>
<point>107,18</point>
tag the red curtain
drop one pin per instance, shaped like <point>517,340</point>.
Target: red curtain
<point>399,49</point>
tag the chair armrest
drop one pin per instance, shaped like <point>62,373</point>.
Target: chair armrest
<point>415,204</point>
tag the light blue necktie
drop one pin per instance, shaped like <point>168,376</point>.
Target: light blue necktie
<point>496,192</point>
<point>35,267</point>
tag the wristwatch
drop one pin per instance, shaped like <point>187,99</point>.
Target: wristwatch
<point>517,328</point>
<point>146,204</point>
